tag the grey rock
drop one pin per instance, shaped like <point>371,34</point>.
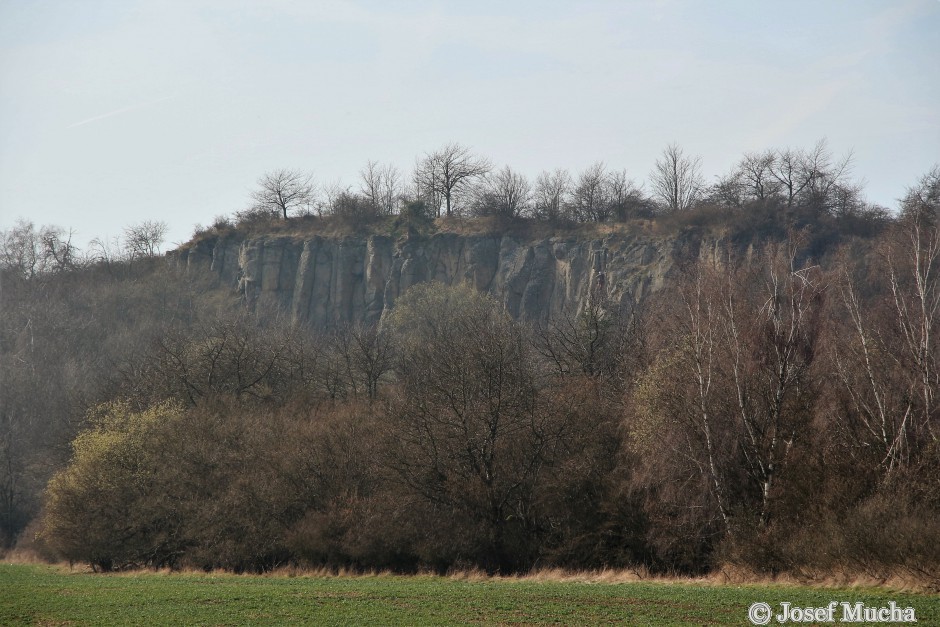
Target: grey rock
<point>322,281</point>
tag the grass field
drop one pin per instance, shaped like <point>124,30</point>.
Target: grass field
<point>46,595</point>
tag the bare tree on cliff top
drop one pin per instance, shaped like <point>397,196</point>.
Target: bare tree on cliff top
<point>381,186</point>
<point>448,171</point>
<point>144,239</point>
<point>551,194</point>
<point>505,193</point>
<point>677,178</point>
<point>283,190</point>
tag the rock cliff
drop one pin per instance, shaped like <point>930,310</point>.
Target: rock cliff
<point>323,281</point>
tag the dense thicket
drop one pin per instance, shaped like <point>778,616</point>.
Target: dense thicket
<point>775,407</point>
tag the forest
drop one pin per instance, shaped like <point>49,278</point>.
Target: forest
<point>776,407</point>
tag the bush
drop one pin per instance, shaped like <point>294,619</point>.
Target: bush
<point>354,208</point>
<point>103,507</point>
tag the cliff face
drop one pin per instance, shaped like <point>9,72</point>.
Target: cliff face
<point>325,281</point>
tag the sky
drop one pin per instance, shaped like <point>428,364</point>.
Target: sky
<point>113,112</point>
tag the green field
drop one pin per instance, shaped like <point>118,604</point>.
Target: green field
<point>48,595</point>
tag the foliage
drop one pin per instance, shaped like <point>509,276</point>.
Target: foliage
<point>101,508</point>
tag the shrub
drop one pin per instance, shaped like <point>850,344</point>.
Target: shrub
<point>101,508</point>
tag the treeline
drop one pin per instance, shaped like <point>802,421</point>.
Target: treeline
<point>766,411</point>
<point>800,184</point>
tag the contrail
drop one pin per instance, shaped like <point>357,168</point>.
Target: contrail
<point>118,112</point>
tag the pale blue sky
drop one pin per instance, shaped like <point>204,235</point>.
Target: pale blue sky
<point>114,112</point>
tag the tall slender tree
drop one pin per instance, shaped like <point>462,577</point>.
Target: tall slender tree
<point>677,178</point>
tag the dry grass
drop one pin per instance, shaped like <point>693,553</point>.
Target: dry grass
<point>726,575</point>
<point>330,227</point>
<point>846,578</point>
<point>301,227</point>
<point>20,555</point>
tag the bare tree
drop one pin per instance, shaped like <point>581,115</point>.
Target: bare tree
<point>794,170</point>
<point>505,193</point>
<point>332,193</point>
<point>756,173</point>
<point>738,355</point>
<point>813,178</point>
<point>370,183</point>
<point>887,361</point>
<point>381,185</point>
<point>60,253</point>
<point>231,356</point>
<point>589,199</point>
<point>29,251</point>
<point>625,197</point>
<point>342,202</point>
<point>677,178</point>
<point>595,343</point>
<point>551,194</point>
<point>881,395</point>
<point>473,434</point>
<point>678,428</point>
<point>144,239</point>
<point>21,249</point>
<point>790,171</point>
<point>913,266</point>
<point>828,184</point>
<point>106,250</point>
<point>425,189</point>
<point>281,191</point>
<point>442,175</point>
<point>923,200</point>
<point>773,340</point>
<point>367,356</point>
<point>727,191</point>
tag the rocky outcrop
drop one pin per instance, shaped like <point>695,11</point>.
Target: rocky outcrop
<point>323,281</point>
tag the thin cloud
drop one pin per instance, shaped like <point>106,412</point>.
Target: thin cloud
<point>118,112</point>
